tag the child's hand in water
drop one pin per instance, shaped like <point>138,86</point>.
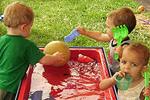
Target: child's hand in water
<point>81,30</point>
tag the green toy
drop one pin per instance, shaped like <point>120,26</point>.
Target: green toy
<point>146,81</point>
<point>119,33</point>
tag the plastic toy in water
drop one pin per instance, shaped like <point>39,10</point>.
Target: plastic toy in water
<point>1,17</point>
<point>73,34</point>
<point>123,83</point>
<point>84,59</point>
<point>119,33</point>
<point>146,81</point>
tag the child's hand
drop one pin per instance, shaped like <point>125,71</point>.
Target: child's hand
<point>55,59</point>
<point>146,91</point>
<point>81,30</point>
<point>120,74</point>
<point>58,57</point>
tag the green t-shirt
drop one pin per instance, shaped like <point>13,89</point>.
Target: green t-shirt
<point>16,53</point>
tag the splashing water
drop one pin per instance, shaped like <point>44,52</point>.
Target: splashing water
<point>77,80</point>
<point>83,83</point>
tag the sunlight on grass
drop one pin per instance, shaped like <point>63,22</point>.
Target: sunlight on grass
<point>56,18</point>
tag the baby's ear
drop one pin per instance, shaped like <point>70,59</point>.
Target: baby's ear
<point>145,68</point>
<point>22,26</point>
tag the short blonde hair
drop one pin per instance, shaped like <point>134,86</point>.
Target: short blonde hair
<point>16,14</point>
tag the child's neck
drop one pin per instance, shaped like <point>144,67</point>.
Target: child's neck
<point>13,31</point>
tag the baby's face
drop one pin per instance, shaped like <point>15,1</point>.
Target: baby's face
<point>131,63</point>
<point>109,26</point>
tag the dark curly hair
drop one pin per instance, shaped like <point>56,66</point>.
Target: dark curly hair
<point>123,16</point>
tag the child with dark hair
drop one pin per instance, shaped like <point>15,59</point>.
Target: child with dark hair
<point>123,16</point>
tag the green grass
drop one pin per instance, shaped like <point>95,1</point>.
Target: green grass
<point>56,18</point>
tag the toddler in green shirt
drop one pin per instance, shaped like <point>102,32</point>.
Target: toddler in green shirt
<point>17,52</point>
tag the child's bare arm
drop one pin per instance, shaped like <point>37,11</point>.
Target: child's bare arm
<point>52,59</point>
<point>107,83</point>
<point>94,35</point>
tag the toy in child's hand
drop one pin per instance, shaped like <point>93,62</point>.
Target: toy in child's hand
<point>146,81</point>
<point>123,82</point>
<point>1,17</point>
<point>58,46</point>
<point>119,33</point>
<point>73,34</point>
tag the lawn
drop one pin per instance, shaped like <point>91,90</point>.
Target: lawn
<point>54,19</point>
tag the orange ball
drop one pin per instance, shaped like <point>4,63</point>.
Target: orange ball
<point>58,46</point>
<point>141,8</point>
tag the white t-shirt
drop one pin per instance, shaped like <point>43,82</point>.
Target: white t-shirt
<point>114,64</point>
<point>131,93</point>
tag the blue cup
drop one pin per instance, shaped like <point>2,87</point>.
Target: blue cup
<point>73,34</point>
